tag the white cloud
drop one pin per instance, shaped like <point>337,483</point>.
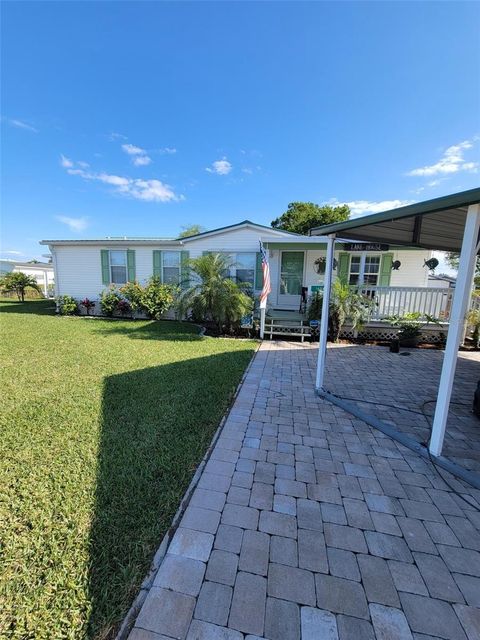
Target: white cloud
<point>137,188</point>
<point>65,162</point>
<point>139,155</point>
<point>168,150</point>
<point>12,253</point>
<point>75,224</point>
<point>132,150</point>
<point>141,161</point>
<point>452,161</point>
<point>19,124</point>
<point>116,136</point>
<point>220,167</point>
<point>364,207</point>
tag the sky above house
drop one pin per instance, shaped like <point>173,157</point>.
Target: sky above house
<point>137,118</point>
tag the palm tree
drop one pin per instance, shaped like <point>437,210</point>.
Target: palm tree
<point>18,281</point>
<point>347,304</point>
<point>213,296</point>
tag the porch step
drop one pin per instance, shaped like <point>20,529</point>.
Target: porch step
<point>282,325</point>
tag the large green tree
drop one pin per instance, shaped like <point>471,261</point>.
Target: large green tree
<point>453,258</point>
<point>300,217</point>
<point>191,230</point>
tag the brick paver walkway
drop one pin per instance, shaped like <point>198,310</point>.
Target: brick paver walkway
<point>308,524</point>
<point>410,380</point>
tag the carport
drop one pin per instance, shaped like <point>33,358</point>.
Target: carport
<point>450,223</point>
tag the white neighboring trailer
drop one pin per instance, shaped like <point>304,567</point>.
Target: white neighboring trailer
<point>42,272</point>
<point>83,268</point>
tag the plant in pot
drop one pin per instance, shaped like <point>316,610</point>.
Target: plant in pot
<point>410,327</point>
<point>473,320</point>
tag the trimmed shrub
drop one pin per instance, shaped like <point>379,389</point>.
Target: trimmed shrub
<point>109,299</point>
<point>67,305</point>
<point>133,293</point>
<point>157,298</point>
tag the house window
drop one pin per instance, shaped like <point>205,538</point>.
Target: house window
<point>244,267</point>
<point>371,270</point>
<point>355,270</point>
<point>118,267</point>
<point>171,267</point>
<point>364,270</point>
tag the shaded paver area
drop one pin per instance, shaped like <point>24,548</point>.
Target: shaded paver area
<point>308,524</point>
<point>403,389</point>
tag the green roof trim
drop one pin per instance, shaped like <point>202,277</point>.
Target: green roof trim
<point>452,201</point>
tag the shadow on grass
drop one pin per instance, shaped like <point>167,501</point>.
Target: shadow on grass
<point>153,330</point>
<point>156,425</point>
<point>38,307</point>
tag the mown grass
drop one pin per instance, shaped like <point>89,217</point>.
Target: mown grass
<point>102,426</point>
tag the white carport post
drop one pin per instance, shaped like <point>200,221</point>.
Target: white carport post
<point>327,285</point>
<point>459,308</point>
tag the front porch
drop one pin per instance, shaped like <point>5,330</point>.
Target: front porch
<point>389,301</point>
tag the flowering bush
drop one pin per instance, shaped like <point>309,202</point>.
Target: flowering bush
<point>109,299</point>
<point>133,292</point>
<point>87,304</point>
<point>67,305</point>
<point>157,298</point>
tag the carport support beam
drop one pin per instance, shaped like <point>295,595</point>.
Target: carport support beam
<point>459,308</point>
<point>327,285</point>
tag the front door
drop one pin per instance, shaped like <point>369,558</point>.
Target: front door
<point>291,278</point>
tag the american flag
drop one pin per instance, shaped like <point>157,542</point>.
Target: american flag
<point>266,278</point>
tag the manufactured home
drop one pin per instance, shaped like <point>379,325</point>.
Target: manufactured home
<point>394,275</point>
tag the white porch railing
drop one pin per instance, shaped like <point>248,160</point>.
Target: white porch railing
<point>396,301</point>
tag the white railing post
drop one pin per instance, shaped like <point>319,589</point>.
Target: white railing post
<point>322,339</point>
<point>460,298</point>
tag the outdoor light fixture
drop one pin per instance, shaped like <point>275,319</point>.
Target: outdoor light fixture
<point>396,264</point>
<point>431,264</point>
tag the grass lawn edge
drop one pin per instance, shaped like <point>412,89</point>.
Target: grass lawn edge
<point>132,614</point>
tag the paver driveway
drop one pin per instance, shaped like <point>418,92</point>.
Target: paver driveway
<point>309,524</point>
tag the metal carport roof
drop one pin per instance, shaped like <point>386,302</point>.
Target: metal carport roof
<point>433,224</point>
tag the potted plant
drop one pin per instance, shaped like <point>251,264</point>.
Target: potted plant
<point>473,320</point>
<point>410,327</point>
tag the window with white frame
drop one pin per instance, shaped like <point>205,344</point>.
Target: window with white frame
<point>118,266</point>
<point>364,270</point>
<point>171,267</point>
<point>243,267</point>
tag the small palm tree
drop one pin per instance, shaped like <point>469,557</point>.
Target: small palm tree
<point>18,282</point>
<point>213,296</point>
<point>347,304</point>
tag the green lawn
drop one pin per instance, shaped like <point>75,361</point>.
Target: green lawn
<point>102,424</point>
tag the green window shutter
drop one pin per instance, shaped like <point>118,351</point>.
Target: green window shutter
<point>157,264</point>
<point>105,267</point>
<point>184,269</point>
<point>343,266</point>
<point>258,272</point>
<point>385,270</point>
<point>131,265</point>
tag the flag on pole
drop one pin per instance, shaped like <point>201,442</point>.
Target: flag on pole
<point>266,277</point>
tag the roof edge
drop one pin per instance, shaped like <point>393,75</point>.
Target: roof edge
<point>451,201</point>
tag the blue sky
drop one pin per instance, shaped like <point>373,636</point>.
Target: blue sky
<point>124,118</point>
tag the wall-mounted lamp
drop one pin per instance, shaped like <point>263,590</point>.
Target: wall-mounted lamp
<point>396,264</point>
<point>431,264</point>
